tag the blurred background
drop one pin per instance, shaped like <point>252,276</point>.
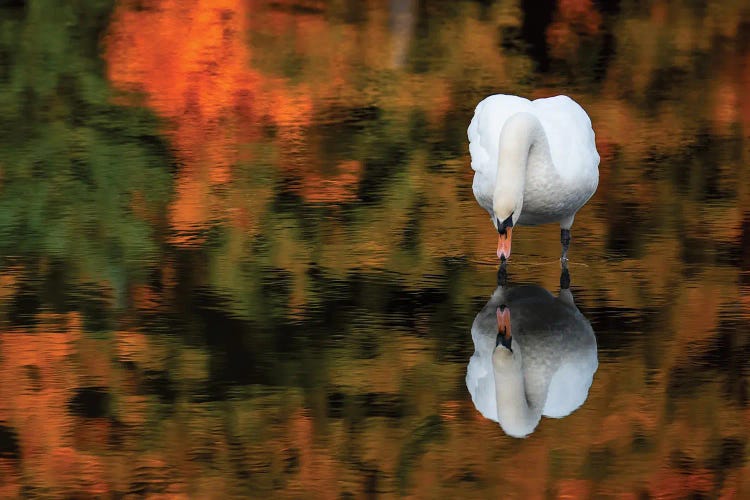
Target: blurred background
<point>240,255</point>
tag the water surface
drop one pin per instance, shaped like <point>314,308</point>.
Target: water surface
<point>240,254</point>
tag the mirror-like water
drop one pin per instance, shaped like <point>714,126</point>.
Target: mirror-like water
<point>240,255</point>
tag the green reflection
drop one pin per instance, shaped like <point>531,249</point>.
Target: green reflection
<point>83,179</point>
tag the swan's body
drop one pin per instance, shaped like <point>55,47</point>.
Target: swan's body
<point>551,365</point>
<point>535,161</point>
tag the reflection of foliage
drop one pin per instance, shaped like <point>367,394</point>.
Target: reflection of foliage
<point>428,431</point>
<point>306,330</point>
<point>81,179</point>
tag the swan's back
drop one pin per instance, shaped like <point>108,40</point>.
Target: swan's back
<point>566,124</point>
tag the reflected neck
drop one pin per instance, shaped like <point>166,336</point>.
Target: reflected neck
<point>517,414</point>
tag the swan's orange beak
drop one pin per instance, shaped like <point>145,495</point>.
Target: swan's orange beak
<point>504,334</point>
<point>503,244</point>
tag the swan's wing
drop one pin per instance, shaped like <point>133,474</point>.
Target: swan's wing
<point>569,386</point>
<point>570,136</point>
<point>484,130</point>
<point>484,137</point>
<point>480,381</point>
<point>480,375</point>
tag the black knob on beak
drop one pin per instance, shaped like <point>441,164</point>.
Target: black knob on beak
<point>504,225</point>
<point>503,340</point>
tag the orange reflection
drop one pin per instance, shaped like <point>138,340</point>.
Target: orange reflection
<point>339,188</point>
<point>36,385</point>
<point>191,61</point>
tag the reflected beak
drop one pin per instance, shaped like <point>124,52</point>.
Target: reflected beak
<point>503,244</point>
<point>503,327</point>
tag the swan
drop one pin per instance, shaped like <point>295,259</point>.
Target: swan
<point>535,162</point>
<point>535,354</point>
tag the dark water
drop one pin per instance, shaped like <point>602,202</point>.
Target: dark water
<point>240,254</point>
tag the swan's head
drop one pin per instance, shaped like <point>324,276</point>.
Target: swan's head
<point>507,209</point>
<point>504,232</point>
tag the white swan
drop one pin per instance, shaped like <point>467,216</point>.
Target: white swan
<point>535,162</point>
<point>534,355</point>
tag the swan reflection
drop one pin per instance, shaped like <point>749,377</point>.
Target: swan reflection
<point>534,354</point>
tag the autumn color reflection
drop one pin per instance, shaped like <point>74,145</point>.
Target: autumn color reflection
<point>240,254</point>
<point>216,102</point>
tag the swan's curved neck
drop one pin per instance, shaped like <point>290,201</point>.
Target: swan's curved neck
<point>517,411</point>
<point>522,141</point>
